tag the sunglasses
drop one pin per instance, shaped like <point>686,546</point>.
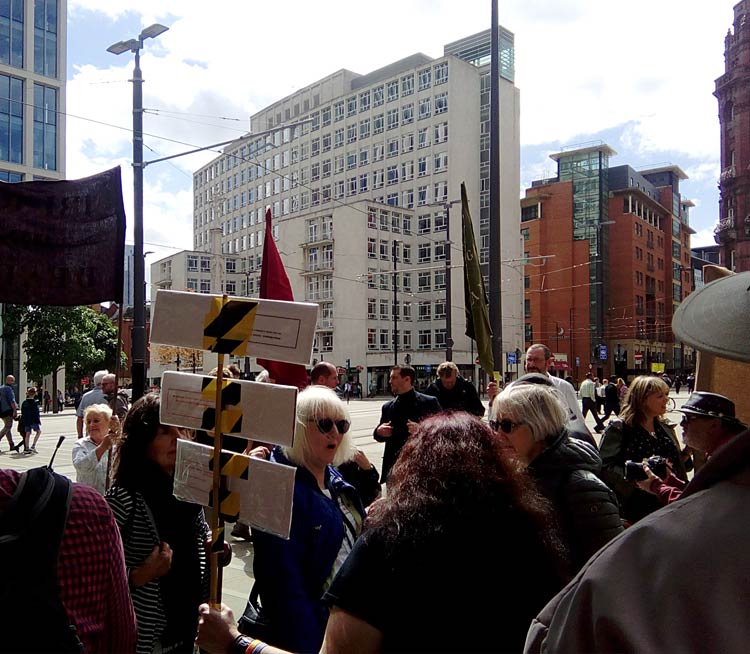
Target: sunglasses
<point>505,425</point>
<point>325,425</point>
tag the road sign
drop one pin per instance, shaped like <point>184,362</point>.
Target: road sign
<point>510,358</point>
<point>578,361</point>
<point>603,352</point>
<point>428,368</point>
<point>638,358</point>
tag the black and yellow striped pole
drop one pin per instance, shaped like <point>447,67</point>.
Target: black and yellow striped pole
<point>226,330</point>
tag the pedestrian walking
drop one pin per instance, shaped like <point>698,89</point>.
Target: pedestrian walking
<point>31,421</point>
<point>8,411</point>
<point>587,392</point>
<point>47,401</point>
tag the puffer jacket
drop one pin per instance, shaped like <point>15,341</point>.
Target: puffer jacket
<point>566,473</point>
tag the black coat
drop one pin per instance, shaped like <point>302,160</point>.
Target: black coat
<point>566,473</point>
<point>412,406</point>
<point>462,397</point>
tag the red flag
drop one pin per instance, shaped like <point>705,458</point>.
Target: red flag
<point>274,285</point>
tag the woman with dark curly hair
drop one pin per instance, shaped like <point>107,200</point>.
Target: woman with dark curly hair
<point>163,537</point>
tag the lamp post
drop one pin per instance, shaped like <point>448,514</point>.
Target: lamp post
<point>138,350</point>
<point>395,301</point>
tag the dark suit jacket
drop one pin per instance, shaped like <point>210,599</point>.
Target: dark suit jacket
<point>412,406</point>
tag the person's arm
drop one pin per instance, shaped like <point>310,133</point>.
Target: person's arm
<point>218,634</point>
<point>79,426</point>
<point>384,429</point>
<point>474,404</point>
<point>347,633</point>
<point>667,490</point>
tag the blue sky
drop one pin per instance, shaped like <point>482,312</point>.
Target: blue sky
<point>638,76</point>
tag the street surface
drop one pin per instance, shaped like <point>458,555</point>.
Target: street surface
<point>238,576</point>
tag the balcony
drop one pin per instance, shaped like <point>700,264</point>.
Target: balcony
<point>318,266</point>
<point>325,236</point>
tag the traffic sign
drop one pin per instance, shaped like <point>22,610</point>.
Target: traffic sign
<point>510,358</point>
<point>603,352</point>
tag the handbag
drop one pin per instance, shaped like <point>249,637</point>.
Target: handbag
<point>253,622</point>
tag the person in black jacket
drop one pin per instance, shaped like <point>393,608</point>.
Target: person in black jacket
<point>399,418</point>
<point>453,392</point>
<point>533,420</point>
<point>611,398</point>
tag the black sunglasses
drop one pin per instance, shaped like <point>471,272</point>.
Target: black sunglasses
<point>325,425</point>
<point>505,425</point>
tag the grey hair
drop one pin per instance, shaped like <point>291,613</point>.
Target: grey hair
<point>540,407</point>
<point>99,375</point>
<point>318,402</point>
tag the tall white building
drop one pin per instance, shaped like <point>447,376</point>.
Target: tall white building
<point>353,163</point>
<point>32,107</point>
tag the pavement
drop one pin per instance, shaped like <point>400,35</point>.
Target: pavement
<point>238,576</point>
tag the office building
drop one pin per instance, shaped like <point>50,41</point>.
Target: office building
<point>363,174</point>
<point>607,253</point>
<point>32,107</point>
<point>733,94</point>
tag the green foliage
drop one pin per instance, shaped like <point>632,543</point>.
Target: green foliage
<point>78,338</point>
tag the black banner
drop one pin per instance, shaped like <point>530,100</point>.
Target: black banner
<point>62,243</point>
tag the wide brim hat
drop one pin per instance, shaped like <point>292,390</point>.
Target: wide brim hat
<point>710,405</point>
<point>714,318</point>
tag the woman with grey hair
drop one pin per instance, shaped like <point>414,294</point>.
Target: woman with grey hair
<point>533,419</point>
<point>293,574</point>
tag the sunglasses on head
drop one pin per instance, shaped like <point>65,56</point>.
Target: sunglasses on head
<point>505,425</point>
<point>325,425</point>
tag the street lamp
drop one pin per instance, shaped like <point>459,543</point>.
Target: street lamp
<point>138,349</point>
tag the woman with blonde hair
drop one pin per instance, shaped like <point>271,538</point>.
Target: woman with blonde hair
<point>91,453</point>
<point>640,431</point>
<point>293,574</point>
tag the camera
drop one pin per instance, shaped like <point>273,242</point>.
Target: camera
<point>634,470</point>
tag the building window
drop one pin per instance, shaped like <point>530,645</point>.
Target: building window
<point>372,343</point>
<point>441,73</point>
<point>351,106</point>
<point>424,281</point>
<point>425,311</point>
<point>378,123</point>
<point>11,33</point>
<point>377,96</point>
<point>424,108</point>
<point>371,244</point>
<point>385,341</point>
<point>424,79</point>
<point>192,284</point>
<point>407,114</point>
<point>205,286</point>
<point>441,103</point>
<point>392,118</point>
<point>527,308</point>
<point>11,118</point>
<point>364,128</point>
<point>425,253</point>
<point>407,85</point>
<point>326,116</point>
<point>392,173</point>
<point>338,111</point>
<point>45,36</point>
<point>425,339</point>
<point>364,101</point>
<point>392,90</point>
<point>423,137</point>
<point>528,332</point>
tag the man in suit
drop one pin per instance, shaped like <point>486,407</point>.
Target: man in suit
<point>399,418</point>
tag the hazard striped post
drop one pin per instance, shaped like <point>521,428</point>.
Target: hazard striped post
<point>226,329</point>
<point>217,524</point>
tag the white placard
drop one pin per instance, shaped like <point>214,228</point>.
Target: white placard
<point>268,410</point>
<point>282,331</point>
<point>266,496</point>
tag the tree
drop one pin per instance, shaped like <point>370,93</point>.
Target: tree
<point>78,338</point>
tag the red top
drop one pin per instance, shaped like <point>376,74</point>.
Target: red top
<point>91,571</point>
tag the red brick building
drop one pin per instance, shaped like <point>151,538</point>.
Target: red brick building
<point>733,93</point>
<point>607,263</point>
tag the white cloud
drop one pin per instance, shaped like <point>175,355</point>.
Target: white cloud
<point>702,238</point>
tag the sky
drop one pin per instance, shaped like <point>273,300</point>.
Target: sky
<point>638,76</point>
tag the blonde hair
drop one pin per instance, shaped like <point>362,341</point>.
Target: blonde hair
<point>317,402</point>
<point>640,388</point>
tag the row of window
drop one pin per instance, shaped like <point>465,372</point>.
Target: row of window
<point>382,309</point>
<point>427,280</point>
<point>427,339</point>
<point>45,35</point>
<point>426,251</point>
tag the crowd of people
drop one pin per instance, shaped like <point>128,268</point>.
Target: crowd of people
<point>518,531</point>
